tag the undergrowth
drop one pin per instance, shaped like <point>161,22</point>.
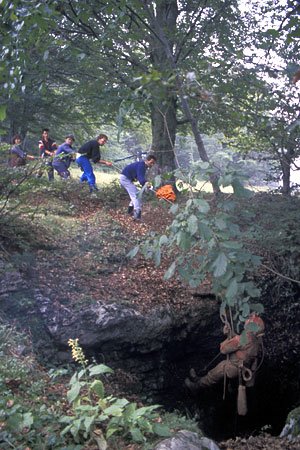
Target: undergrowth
<point>43,410</point>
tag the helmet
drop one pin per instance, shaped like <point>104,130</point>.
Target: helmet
<point>259,325</point>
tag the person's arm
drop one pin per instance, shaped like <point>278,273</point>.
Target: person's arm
<point>106,163</point>
<point>230,345</point>
<point>141,173</point>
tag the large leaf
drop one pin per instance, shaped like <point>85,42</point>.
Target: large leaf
<point>161,430</point>
<point>136,435</point>
<point>98,387</point>
<point>232,289</point>
<point>73,393</point>
<point>220,265</point>
<point>192,224</point>
<point>100,369</point>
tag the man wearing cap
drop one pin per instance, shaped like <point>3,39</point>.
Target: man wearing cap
<point>91,151</point>
<point>63,157</point>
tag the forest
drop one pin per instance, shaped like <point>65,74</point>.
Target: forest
<point>102,317</point>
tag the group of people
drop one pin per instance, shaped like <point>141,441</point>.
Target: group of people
<point>59,158</point>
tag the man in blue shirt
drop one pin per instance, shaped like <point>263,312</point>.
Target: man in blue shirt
<point>136,172</point>
<point>63,157</point>
<point>91,150</point>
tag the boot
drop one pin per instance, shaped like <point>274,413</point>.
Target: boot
<point>137,215</point>
<point>130,210</point>
<point>193,375</point>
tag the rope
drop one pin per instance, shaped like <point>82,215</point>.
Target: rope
<point>225,379</point>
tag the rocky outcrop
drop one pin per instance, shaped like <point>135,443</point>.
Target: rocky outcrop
<point>187,440</point>
<point>114,324</point>
<point>291,429</point>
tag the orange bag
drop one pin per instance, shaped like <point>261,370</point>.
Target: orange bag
<point>166,192</point>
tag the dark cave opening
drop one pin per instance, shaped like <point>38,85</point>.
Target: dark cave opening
<point>274,395</point>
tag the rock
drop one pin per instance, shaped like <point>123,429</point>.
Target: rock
<point>111,325</point>
<point>291,429</point>
<point>187,440</point>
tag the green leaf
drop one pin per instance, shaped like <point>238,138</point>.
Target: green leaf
<point>174,209</point>
<point>221,224</point>
<point>133,252</point>
<point>27,420</point>
<point>234,245</point>
<point>98,387</point>
<point>245,310</point>
<point>88,422</point>
<point>136,435</point>
<point>117,408</point>
<point>205,231</point>
<point>163,240</point>
<point>183,240</point>
<point>111,430</point>
<point>257,307</point>
<point>161,430</point>
<point>73,393</point>
<point>192,224</point>
<point>232,289</point>
<point>100,369</point>
<point>201,205</point>
<point>220,265</point>
<point>170,272</point>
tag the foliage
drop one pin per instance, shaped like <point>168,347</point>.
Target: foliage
<point>205,242</point>
<point>99,417</point>
<point>24,417</point>
<point>32,405</point>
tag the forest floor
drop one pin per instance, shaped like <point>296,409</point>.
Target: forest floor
<point>84,242</point>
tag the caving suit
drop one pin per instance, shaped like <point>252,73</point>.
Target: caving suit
<point>240,356</point>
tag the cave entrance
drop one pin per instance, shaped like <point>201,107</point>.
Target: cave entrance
<point>274,395</point>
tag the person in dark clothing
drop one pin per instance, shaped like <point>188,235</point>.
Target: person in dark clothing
<point>63,157</point>
<point>47,147</point>
<point>136,172</point>
<point>91,151</point>
<point>17,156</point>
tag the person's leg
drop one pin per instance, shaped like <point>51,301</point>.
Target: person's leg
<point>213,376</point>
<point>50,171</point>
<point>88,172</point>
<point>133,194</point>
<point>61,169</point>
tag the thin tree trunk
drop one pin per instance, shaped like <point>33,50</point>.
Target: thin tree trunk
<point>285,163</point>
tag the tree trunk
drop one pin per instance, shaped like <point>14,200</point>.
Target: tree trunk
<point>285,163</point>
<point>163,104</point>
<point>163,120</point>
<point>164,24</point>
